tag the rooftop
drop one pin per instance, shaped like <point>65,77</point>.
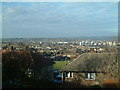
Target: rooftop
<point>93,62</point>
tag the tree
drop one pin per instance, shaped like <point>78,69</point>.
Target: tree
<point>14,65</point>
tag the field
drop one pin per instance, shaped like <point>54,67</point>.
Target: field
<point>60,64</point>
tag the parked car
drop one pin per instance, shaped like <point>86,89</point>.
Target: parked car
<point>58,79</point>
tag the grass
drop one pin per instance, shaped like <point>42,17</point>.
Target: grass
<point>60,64</point>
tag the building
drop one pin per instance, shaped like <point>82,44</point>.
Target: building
<point>92,69</point>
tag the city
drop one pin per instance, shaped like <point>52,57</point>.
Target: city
<point>56,55</point>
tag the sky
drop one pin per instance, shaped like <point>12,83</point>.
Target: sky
<point>60,0</point>
<point>59,19</point>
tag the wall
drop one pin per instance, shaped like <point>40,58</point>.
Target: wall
<point>100,78</point>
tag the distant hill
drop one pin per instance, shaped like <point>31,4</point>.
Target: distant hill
<point>110,38</point>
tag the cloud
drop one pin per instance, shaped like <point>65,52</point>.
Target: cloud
<point>60,19</point>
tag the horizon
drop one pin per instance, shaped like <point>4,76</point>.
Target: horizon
<point>107,38</point>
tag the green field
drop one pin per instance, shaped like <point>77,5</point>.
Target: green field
<point>60,64</point>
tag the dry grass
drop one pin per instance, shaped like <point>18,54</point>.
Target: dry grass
<point>111,84</point>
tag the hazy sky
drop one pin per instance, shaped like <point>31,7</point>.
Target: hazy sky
<point>59,19</point>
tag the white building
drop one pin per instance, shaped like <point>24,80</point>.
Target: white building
<point>114,43</point>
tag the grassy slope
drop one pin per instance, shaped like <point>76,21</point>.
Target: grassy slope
<point>60,64</point>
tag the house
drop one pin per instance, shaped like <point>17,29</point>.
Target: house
<point>92,69</point>
<point>92,50</point>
